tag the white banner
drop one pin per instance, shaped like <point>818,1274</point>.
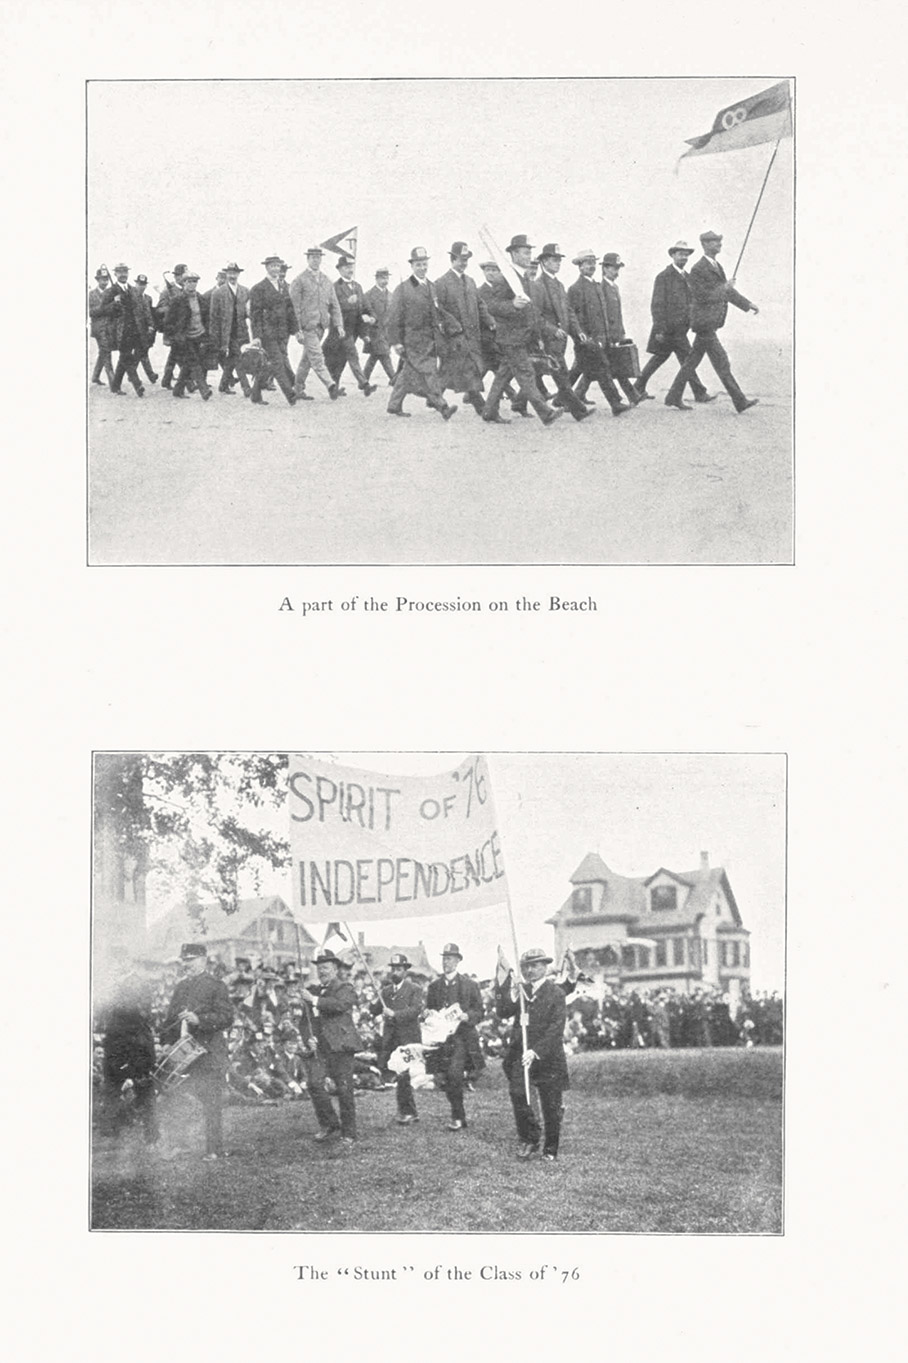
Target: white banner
<point>367,846</point>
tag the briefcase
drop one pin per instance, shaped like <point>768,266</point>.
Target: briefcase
<point>624,361</point>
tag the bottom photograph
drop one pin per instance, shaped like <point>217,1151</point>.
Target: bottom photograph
<point>435,992</point>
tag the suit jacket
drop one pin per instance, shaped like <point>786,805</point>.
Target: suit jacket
<point>710,296</point>
<point>221,316</point>
<point>522,328</point>
<point>462,990</point>
<point>334,1028</point>
<point>545,1035</point>
<point>352,302</point>
<point>378,303</point>
<point>315,301</point>
<point>614,319</point>
<point>418,323</point>
<point>670,307</point>
<point>123,309</point>
<point>585,297</point>
<point>556,308</point>
<point>406,1001</point>
<point>100,321</point>
<point>209,1000</point>
<point>179,317</point>
<point>271,313</point>
<point>146,318</point>
<point>459,296</point>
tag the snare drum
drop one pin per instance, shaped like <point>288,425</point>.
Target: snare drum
<point>173,1067</point>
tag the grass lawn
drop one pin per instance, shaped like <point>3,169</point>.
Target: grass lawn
<point>669,1141</point>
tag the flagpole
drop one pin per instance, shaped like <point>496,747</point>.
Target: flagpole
<point>520,992</point>
<point>757,205</point>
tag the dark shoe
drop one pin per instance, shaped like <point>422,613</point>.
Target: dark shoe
<point>341,392</point>
<point>100,383</point>
<point>548,417</point>
<point>448,410</point>
<point>291,399</point>
<point>558,401</point>
<point>330,1133</point>
<point>119,392</point>
<point>206,394</point>
<point>304,397</point>
<point>228,392</point>
<point>178,394</point>
<point>476,402</point>
<point>259,402</point>
<point>393,411</point>
<point>457,1125</point>
<point>644,396</point>
<point>526,1149</point>
<point>165,383</point>
<point>498,419</point>
<point>152,378</point>
<point>681,406</point>
<point>140,392</point>
<point>619,411</point>
<point>333,392</point>
<point>706,397</point>
<point>750,402</point>
<point>522,411</point>
<point>582,416</point>
<point>368,389</point>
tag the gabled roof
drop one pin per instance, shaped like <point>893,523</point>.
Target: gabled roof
<point>626,898</point>
<point>592,868</point>
<point>664,871</point>
<point>211,924</point>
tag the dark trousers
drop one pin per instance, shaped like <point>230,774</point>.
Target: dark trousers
<point>170,365</point>
<point>189,358</point>
<point>516,365</point>
<point>279,365</point>
<point>102,365</point>
<point>707,343</point>
<point>126,365</point>
<point>406,1103</point>
<point>337,1066</point>
<point>126,1058</point>
<point>384,361</point>
<point>424,384</point>
<point>594,368</point>
<point>231,370</point>
<point>528,1130</point>
<point>454,1062</point>
<point>340,352</point>
<point>207,1085</point>
<point>145,362</point>
<point>680,347</point>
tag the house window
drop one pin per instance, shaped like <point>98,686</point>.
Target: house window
<point>628,960</point>
<point>663,897</point>
<point>733,953</point>
<point>644,958</point>
<point>677,951</point>
<point>582,899</point>
<point>661,957</point>
<point>745,953</point>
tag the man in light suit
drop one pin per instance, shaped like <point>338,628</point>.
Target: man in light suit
<point>670,308</point>
<point>711,294</point>
<point>543,1057</point>
<point>337,1042</point>
<point>227,328</point>
<point>317,308</point>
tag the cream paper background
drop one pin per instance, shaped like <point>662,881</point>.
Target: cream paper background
<point>807,660</point>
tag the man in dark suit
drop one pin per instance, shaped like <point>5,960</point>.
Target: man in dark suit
<point>670,308</point>
<point>100,327</point>
<point>586,298</point>
<point>520,332</point>
<point>337,1042</point>
<point>491,354</point>
<point>461,365</point>
<point>171,287</point>
<point>557,311</point>
<point>544,1056</point>
<point>340,344</point>
<point>227,328</point>
<point>147,328</point>
<point>711,294</point>
<point>451,988</point>
<point>376,345</point>
<point>187,326</point>
<point>272,321</point>
<point>417,329</point>
<point>400,1005</point>
<point>611,265</point>
<point>122,307</point>
<point>201,1004</point>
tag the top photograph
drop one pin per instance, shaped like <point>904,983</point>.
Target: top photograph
<point>439,322</point>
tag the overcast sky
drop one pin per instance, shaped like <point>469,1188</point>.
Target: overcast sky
<point>237,170</point>
<point>638,811</point>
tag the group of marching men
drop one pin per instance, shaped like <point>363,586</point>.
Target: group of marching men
<point>428,337</point>
<point>446,1016</point>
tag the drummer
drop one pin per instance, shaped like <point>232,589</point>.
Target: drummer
<point>203,1004</point>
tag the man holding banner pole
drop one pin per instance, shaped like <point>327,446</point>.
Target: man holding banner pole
<point>535,1054</point>
<point>338,1041</point>
<point>451,988</point>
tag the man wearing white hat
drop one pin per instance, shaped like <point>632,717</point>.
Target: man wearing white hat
<point>451,989</point>
<point>670,308</point>
<point>543,1057</point>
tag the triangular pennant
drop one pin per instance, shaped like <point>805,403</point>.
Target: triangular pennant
<point>344,244</point>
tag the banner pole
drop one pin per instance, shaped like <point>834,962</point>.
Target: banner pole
<point>756,206</point>
<point>520,993</point>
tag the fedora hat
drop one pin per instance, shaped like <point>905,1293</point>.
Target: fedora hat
<point>585,254</point>
<point>613,258</point>
<point>325,957</point>
<point>709,236</point>
<point>681,248</point>
<point>232,266</point>
<point>533,954</point>
<point>519,241</point>
<point>272,260</point>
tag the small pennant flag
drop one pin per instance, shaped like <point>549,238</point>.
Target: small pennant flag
<point>503,969</point>
<point>761,118</point>
<point>344,244</point>
<point>335,935</point>
<point>568,973</point>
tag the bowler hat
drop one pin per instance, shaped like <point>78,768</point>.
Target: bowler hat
<point>399,958</point>
<point>272,260</point>
<point>141,278</point>
<point>517,242</point>
<point>190,950</point>
<point>232,266</point>
<point>533,954</point>
<point>681,248</point>
<point>345,260</point>
<point>102,274</point>
<point>710,236</point>
<point>551,249</point>
<point>612,258</point>
<point>179,269</point>
<point>459,248</point>
<point>452,949</point>
<point>418,253</point>
<point>586,254</point>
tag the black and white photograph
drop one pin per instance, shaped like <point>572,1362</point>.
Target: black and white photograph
<point>305,348</point>
<point>432,992</point>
